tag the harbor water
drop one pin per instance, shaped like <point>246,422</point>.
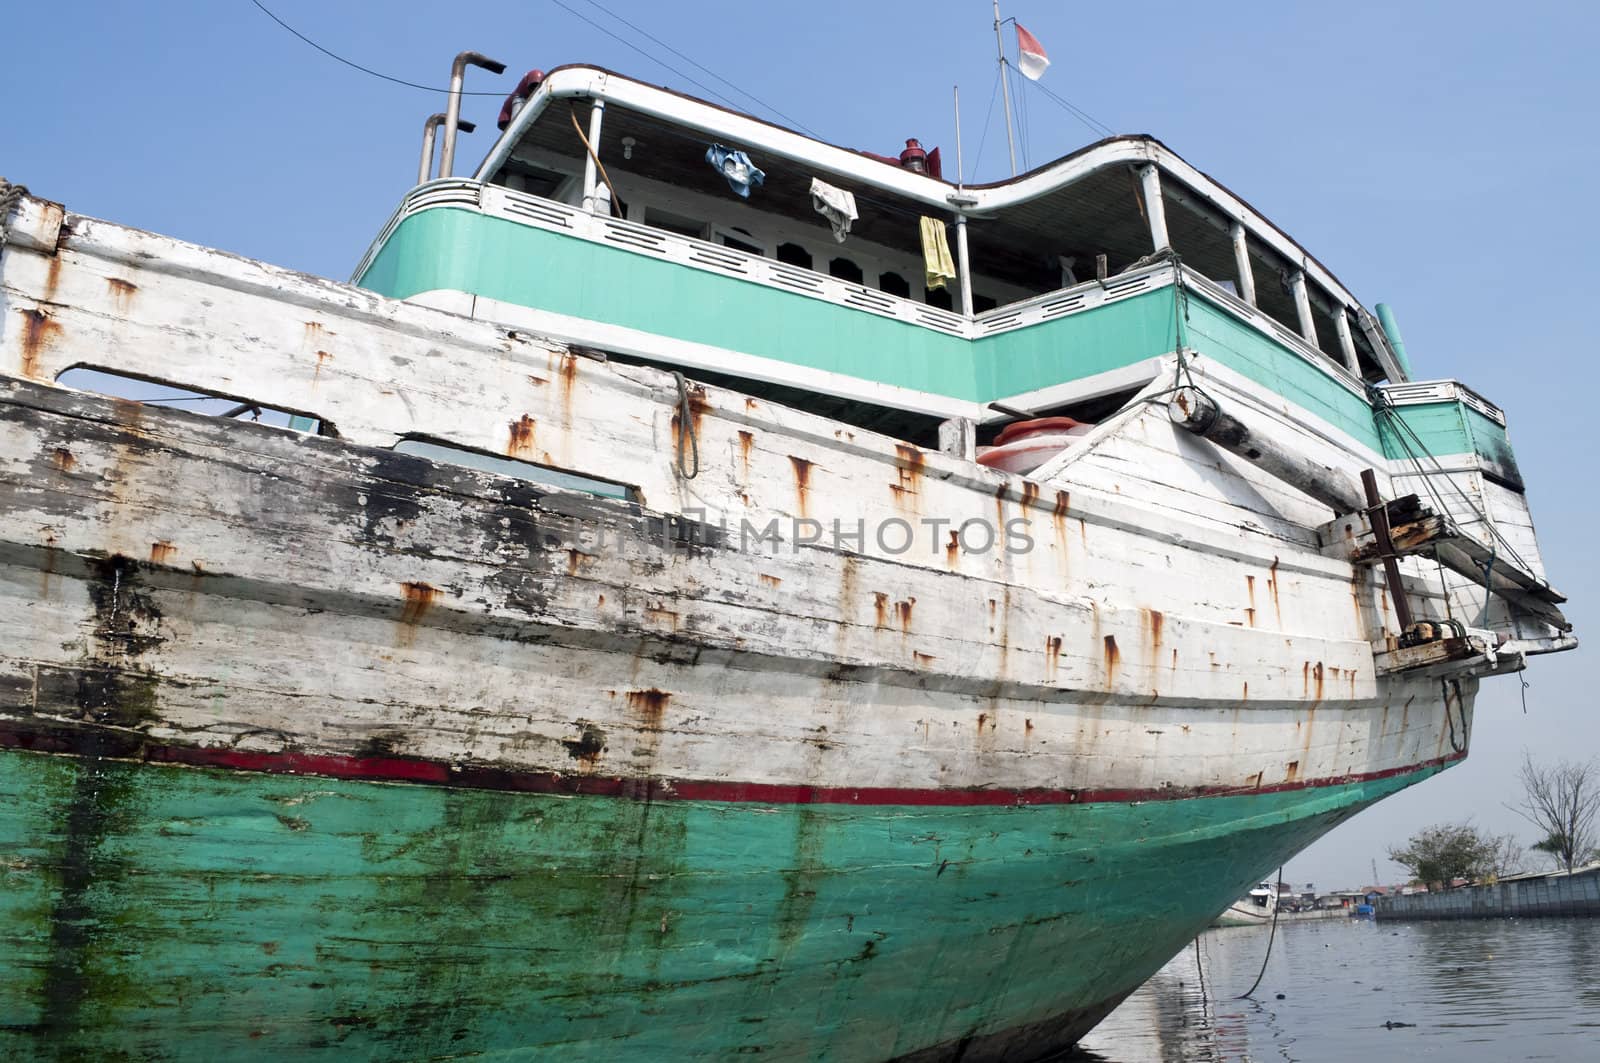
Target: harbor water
<point>1340,990</point>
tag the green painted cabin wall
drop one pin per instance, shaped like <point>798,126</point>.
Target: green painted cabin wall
<point>165,912</point>
<point>459,250</point>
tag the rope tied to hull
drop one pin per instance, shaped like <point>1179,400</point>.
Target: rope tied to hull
<point>1271,934</point>
<point>10,196</point>
<point>687,437</point>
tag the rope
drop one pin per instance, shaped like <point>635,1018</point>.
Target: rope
<point>1456,745</point>
<point>1274,933</point>
<point>10,196</point>
<point>686,432</point>
<point>616,206</point>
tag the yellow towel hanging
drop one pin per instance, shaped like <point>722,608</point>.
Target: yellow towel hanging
<point>936,261</point>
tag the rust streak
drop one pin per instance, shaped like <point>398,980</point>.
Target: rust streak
<point>419,598</point>
<point>650,704</point>
<point>902,612</point>
<point>161,552</point>
<point>38,332</point>
<point>880,607</point>
<point>1113,657</point>
<point>908,462</point>
<point>1272,584</point>
<point>569,377</point>
<point>523,437</point>
<point>747,442</point>
<point>63,460</point>
<point>122,293</point>
<point>952,550</point>
<point>1052,661</point>
<point>802,481</point>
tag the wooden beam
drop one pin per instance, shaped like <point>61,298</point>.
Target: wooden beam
<point>1193,410</point>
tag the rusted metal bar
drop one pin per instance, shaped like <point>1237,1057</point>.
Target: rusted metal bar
<point>1378,515</point>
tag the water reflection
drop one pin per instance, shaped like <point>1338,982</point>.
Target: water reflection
<point>1339,990</point>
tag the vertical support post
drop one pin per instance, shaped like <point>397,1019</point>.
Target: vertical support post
<point>591,177</point>
<point>1155,211</point>
<point>1378,519</point>
<point>963,265</point>
<point>958,437</point>
<point>1347,342</point>
<point>1241,264</point>
<point>1302,306</point>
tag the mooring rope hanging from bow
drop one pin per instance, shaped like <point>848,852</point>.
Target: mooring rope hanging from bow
<point>1272,934</point>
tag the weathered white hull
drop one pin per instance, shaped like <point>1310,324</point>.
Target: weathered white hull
<point>1174,625</point>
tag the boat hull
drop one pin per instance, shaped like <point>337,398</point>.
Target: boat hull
<point>162,911</point>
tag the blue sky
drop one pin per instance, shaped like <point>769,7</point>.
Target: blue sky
<point>1434,155</point>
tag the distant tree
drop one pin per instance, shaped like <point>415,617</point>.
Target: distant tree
<point>1448,851</point>
<point>1562,800</point>
<point>1507,857</point>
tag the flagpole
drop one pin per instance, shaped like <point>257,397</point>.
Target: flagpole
<point>1005,86</point>
<point>961,169</point>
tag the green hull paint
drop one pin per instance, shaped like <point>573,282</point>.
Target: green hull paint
<point>459,250</point>
<point>159,912</point>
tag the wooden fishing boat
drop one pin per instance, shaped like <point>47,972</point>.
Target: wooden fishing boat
<point>606,644</point>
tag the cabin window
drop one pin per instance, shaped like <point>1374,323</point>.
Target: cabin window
<point>939,297</point>
<point>741,240</point>
<point>845,270</point>
<point>521,470</point>
<point>980,303</point>
<point>675,223</point>
<point>194,400</point>
<point>794,255</point>
<point>894,284</point>
<point>536,181</point>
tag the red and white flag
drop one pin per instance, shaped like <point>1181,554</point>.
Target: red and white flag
<point>1031,59</point>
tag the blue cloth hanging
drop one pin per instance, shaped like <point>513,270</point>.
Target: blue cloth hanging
<point>742,174</point>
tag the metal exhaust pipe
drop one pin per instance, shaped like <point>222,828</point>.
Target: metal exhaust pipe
<point>452,114</point>
<point>425,167</point>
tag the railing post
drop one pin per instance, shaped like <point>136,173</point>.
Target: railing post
<point>597,114</point>
<point>1347,342</point>
<point>1302,306</point>
<point>1155,211</point>
<point>963,265</point>
<point>1241,264</point>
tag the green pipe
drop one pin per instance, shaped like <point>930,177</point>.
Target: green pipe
<point>1391,329</point>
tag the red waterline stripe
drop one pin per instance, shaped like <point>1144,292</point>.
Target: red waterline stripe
<point>476,777</point>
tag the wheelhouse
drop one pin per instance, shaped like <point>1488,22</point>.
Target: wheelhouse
<point>597,218</point>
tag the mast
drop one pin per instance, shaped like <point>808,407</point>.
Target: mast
<point>1005,87</point>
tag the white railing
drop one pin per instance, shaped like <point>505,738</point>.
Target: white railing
<point>1416,393</point>
<point>547,214</point>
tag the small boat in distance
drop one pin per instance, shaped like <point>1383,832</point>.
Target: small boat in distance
<point>1253,909</point>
